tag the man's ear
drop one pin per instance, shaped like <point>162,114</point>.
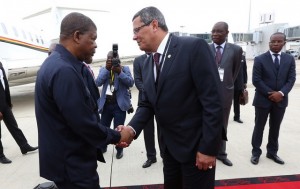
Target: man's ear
<point>76,36</point>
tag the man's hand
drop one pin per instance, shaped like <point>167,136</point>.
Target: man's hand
<point>275,96</point>
<point>1,116</point>
<point>127,135</point>
<point>204,162</point>
<point>117,69</point>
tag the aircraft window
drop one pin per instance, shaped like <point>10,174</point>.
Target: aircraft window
<point>42,41</point>
<point>24,34</point>
<point>37,39</point>
<point>4,28</point>
<point>15,31</point>
<point>30,36</point>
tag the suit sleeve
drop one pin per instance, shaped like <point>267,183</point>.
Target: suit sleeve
<point>291,78</point>
<point>78,112</point>
<point>257,77</point>
<point>237,62</point>
<point>138,73</point>
<point>208,85</point>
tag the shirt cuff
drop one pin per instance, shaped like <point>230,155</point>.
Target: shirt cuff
<point>281,93</point>
<point>132,129</point>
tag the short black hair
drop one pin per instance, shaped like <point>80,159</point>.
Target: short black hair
<point>279,33</point>
<point>75,22</point>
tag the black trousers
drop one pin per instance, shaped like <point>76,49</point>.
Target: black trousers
<point>261,115</point>
<point>222,154</point>
<point>12,126</point>
<point>186,175</point>
<point>236,104</point>
<point>149,139</point>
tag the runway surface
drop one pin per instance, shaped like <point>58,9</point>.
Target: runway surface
<point>23,172</point>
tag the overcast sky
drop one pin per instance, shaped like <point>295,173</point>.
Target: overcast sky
<point>192,16</point>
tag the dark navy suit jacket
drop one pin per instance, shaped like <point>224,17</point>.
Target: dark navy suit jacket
<point>5,100</point>
<point>266,79</point>
<point>69,130</point>
<point>187,103</point>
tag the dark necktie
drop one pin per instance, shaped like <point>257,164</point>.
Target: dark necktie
<point>156,61</point>
<point>218,55</point>
<point>276,61</point>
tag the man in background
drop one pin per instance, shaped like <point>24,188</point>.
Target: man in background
<point>149,130</point>
<point>240,84</point>
<point>115,98</point>
<point>8,118</point>
<point>274,75</point>
<point>228,59</point>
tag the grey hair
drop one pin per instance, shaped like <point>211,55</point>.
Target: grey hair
<point>148,14</point>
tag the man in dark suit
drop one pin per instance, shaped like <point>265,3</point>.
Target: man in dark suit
<point>149,136</point>
<point>182,91</point>
<point>239,85</point>
<point>67,116</point>
<point>9,119</point>
<point>274,75</point>
<point>228,59</point>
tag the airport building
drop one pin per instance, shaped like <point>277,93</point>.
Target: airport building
<point>256,42</point>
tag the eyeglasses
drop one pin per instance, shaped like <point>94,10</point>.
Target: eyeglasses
<point>137,30</point>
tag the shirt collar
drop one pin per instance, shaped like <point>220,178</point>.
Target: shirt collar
<point>222,45</point>
<point>274,53</point>
<point>163,44</point>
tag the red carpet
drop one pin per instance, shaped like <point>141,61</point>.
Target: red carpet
<point>273,182</point>
<point>282,185</point>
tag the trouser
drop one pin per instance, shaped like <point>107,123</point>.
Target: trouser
<point>186,175</point>
<point>236,104</point>
<point>261,115</point>
<point>113,111</point>
<point>12,126</point>
<point>222,150</point>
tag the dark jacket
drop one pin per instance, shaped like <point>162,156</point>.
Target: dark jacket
<point>69,130</point>
<point>265,78</point>
<point>187,103</point>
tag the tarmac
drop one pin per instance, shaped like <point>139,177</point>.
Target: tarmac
<point>23,172</point>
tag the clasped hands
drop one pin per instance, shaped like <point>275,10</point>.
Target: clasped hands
<point>275,96</point>
<point>127,135</point>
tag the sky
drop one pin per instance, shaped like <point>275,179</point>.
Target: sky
<point>191,16</point>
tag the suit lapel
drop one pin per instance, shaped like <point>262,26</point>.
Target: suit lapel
<point>148,79</point>
<point>167,64</point>
<point>225,54</point>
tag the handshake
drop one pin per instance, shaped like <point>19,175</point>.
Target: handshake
<point>127,135</point>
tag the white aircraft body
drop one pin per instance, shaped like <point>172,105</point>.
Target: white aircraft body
<point>21,53</point>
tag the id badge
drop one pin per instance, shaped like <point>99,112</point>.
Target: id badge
<point>221,73</point>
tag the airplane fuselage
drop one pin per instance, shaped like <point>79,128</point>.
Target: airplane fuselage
<point>21,54</point>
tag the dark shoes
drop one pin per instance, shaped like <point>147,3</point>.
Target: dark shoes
<point>148,163</point>
<point>226,161</point>
<point>275,158</point>
<point>238,120</point>
<point>4,160</point>
<point>254,160</point>
<point>119,154</point>
<point>27,148</point>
